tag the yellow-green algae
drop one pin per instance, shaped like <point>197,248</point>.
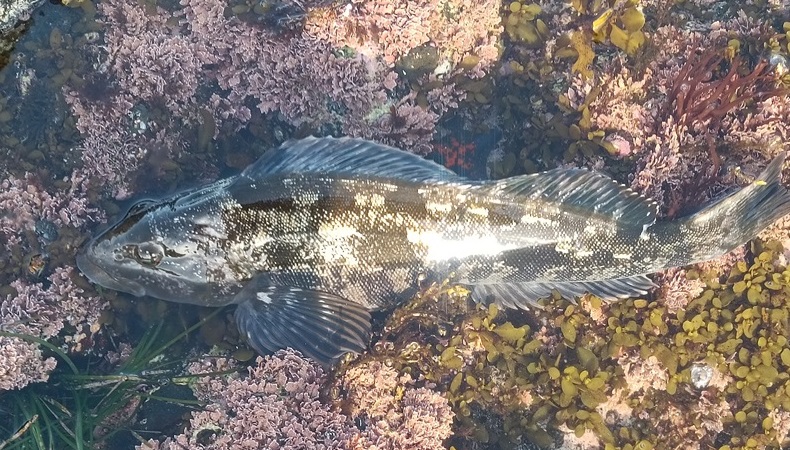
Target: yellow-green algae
<point>536,372</point>
<point>522,23</point>
<point>556,127</point>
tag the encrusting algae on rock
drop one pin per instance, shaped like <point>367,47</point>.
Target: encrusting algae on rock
<point>628,375</point>
<point>586,84</point>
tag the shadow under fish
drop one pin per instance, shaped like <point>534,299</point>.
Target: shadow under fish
<point>321,231</point>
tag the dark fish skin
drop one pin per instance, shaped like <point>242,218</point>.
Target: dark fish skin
<point>316,234</point>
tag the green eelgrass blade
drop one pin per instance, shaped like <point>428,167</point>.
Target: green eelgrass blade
<point>176,401</point>
<point>56,417</point>
<point>91,399</point>
<point>20,432</point>
<point>187,331</point>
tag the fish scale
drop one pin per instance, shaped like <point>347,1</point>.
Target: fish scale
<point>318,233</point>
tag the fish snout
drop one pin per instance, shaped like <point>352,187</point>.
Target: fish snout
<point>90,266</point>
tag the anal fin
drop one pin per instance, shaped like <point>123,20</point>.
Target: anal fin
<point>525,294</point>
<point>318,324</point>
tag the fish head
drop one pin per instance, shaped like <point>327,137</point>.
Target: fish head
<point>153,251</point>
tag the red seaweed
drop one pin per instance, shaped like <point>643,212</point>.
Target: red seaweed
<point>700,97</point>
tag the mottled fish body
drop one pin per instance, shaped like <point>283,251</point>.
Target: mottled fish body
<point>321,231</point>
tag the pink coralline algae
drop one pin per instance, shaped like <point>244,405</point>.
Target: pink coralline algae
<point>162,71</point>
<point>145,63</point>
<point>22,363</point>
<point>149,58</point>
<point>406,125</point>
<point>420,419</point>
<point>23,201</point>
<point>43,310</point>
<point>392,28</point>
<point>306,80</point>
<point>624,105</point>
<point>277,405</point>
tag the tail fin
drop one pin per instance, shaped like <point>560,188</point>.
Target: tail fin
<point>739,217</point>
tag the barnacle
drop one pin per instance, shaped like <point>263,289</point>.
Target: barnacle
<point>701,374</point>
<point>35,264</point>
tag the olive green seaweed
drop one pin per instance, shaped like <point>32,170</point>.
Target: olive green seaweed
<point>564,369</point>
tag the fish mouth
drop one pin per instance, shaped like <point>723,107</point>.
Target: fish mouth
<point>97,275</point>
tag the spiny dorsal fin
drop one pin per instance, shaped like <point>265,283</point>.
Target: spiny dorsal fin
<point>590,191</point>
<point>347,156</point>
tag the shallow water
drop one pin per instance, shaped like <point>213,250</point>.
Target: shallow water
<point>93,117</point>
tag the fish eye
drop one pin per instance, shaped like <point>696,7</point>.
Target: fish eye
<point>148,253</point>
<point>134,215</point>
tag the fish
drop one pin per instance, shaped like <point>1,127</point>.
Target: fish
<point>320,232</point>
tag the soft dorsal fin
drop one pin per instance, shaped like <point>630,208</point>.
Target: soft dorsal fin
<point>583,189</point>
<point>347,156</point>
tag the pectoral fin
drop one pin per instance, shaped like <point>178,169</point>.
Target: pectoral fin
<point>320,325</point>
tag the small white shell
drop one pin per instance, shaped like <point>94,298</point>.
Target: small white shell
<point>779,63</point>
<point>701,375</point>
